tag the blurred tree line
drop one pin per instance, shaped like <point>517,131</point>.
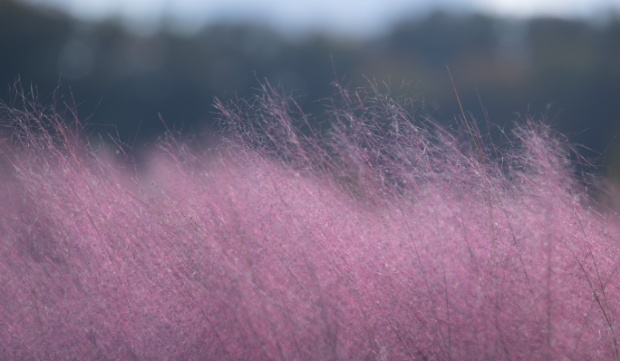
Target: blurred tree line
<point>565,71</point>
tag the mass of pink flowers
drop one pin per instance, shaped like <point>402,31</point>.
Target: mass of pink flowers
<point>381,236</point>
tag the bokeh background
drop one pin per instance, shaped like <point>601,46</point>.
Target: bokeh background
<point>128,64</point>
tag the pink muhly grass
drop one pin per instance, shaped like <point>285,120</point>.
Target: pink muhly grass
<point>386,238</point>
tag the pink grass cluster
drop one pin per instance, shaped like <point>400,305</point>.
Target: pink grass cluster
<point>384,238</point>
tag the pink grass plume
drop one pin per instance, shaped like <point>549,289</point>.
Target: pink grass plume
<point>385,238</point>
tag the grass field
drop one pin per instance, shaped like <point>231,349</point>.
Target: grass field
<point>386,238</point>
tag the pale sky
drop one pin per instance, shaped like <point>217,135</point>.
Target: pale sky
<point>345,16</point>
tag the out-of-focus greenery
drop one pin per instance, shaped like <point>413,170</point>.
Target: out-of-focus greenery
<point>565,71</point>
